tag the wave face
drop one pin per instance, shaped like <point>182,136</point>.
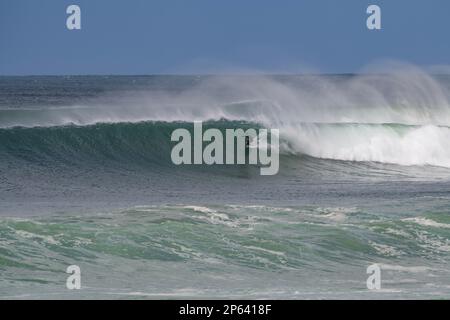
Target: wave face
<point>149,142</point>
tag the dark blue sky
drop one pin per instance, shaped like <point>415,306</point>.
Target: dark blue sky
<point>206,36</point>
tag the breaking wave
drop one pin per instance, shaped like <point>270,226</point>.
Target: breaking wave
<point>401,117</point>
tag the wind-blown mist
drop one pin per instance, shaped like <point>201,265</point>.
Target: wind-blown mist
<point>400,117</point>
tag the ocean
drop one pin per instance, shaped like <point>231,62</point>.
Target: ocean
<point>86,179</point>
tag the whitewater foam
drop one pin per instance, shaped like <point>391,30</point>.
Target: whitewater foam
<point>388,143</point>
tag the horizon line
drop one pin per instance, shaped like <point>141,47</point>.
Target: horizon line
<point>205,74</point>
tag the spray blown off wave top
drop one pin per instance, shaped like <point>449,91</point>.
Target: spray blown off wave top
<point>401,118</point>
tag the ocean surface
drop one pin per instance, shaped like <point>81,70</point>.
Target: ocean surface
<point>86,179</point>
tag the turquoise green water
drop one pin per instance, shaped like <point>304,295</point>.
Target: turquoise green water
<point>226,252</point>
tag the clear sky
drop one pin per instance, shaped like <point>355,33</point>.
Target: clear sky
<point>207,36</point>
